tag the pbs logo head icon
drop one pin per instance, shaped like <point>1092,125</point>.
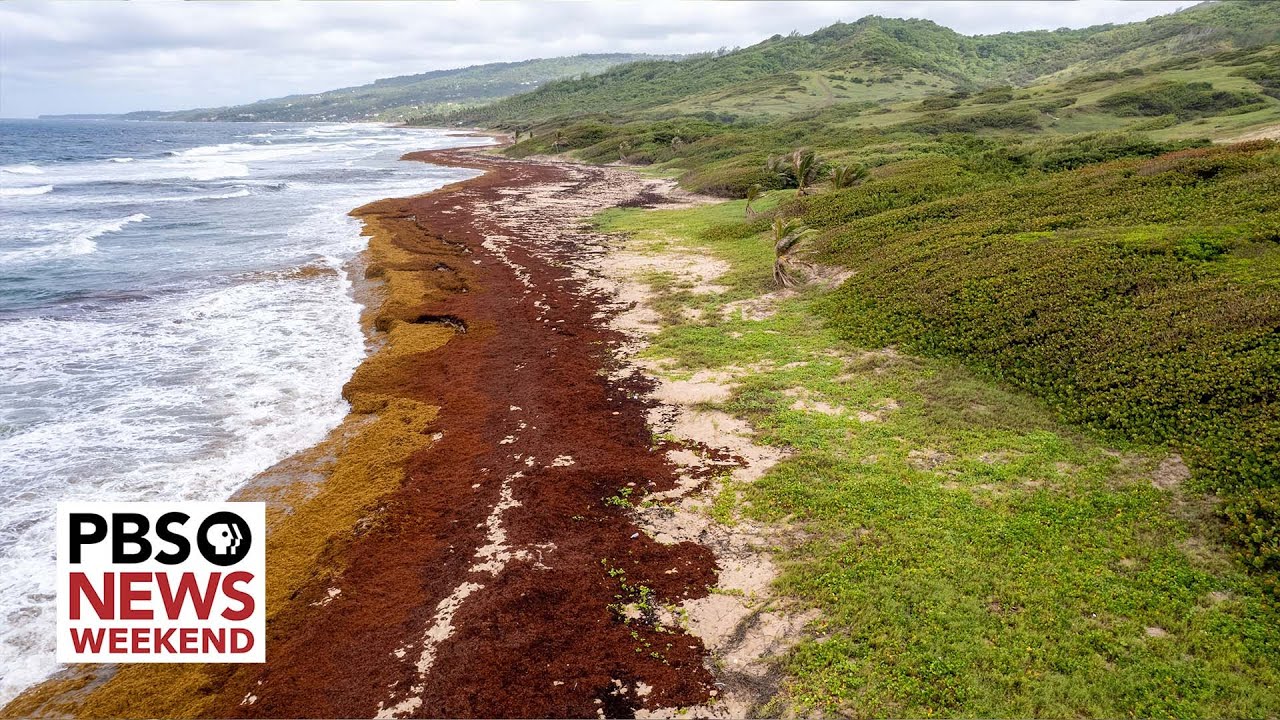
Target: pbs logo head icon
<point>224,538</point>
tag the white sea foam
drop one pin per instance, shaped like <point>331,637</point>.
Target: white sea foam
<point>25,191</point>
<point>122,160</point>
<point>191,398</point>
<point>22,170</point>
<point>216,171</point>
<point>242,192</point>
<point>73,239</point>
<point>239,191</point>
<point>188,394</point>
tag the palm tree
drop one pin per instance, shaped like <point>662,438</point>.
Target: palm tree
<point>846,176</point>
<point>807,169</point>
<point>753,194</point>
<point>777,165</point>
<point>787,234</point>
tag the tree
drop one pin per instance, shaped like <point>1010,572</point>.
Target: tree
<point>624,150</point>
<point>787,234</point>
<point>559,139</point>
<point>801,169</point>
<point>753,194</point>
<point>777,165</point>
<point>807,169</point>
<point>846,176</point>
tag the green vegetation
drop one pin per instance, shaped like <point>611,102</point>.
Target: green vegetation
<point>802,169</point>
<point>1043,207</point>
<point>399,98</point>
<point>844,177</point>
<point>1138,297</point>
<point>882,60</point>
<point>787,235</point>
<point>1182,100</point>
<point>970,554</point>
<point>1057,289</point>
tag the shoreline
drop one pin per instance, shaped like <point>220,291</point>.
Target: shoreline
<point>355,489</point>
<point>296,481</point>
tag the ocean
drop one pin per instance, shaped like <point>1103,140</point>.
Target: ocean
<point>175,317</point>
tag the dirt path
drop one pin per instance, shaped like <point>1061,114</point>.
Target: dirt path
<point>829,97</point>
<point>485,587</point>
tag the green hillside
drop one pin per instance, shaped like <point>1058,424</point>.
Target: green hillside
<point>394,99</point>
<point>878,60</point>
<point>978,505</point>
<point>1084,220</point>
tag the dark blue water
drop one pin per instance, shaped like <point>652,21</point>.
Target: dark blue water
<point>157,340</point>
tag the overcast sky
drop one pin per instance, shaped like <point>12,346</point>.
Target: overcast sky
<point>68,57</point>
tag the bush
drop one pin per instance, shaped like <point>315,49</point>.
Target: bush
<point>1183,100</point>
<point>1080,150</point>
<point>941,102</point>
<point>1268,76</point>
<point>995,95</point>
<point>1090,79</point>
<point>730,180</point>
<point>1003,119</point>
<point>1253,518</point>
<point>1103,290</point>
<point>1056,104</point>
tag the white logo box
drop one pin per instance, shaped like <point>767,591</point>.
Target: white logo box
<point>101,634</point>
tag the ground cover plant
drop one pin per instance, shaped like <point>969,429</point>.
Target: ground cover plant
<point>1136,297</point>
<point>969,552</point>
<point>1062,269</point>
<point>1068,232</point>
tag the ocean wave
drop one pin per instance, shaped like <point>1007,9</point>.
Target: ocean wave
<point>22,170</point>
<point>121,160</point>
<point>184,389</point>
<point>238,193</point>
<point>114,225</point>
<point>242,192</point>
<point>25,191</point>
<point>82,242</point>
<point>215,171</point>
<point>212,149</point>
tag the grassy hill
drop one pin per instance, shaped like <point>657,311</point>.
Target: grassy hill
<point>878,60</point>
<point>1072,217</point>
<point>393,99</point>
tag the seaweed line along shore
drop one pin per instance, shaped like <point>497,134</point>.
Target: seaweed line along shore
<point>463,544</point>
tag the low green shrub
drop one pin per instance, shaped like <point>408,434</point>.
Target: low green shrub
<point>994,96</point>
<point>1185,100</point>
<point>1253,519</point>
<point>941,102</point>
<point>730,180</point>
<point>1113,291</point>
<point>1024,119</point>
<point>1267,75</point>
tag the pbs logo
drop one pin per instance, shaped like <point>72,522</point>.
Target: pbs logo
<point>224,538</point>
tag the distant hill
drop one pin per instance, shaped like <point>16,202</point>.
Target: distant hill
<point>878,60</point>
<point>397,98</point>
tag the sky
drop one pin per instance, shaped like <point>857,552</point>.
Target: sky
<point>105,57</point>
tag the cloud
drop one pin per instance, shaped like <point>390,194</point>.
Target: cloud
<point>60,57</point>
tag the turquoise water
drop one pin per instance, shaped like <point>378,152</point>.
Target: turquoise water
<point>156,339</point>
